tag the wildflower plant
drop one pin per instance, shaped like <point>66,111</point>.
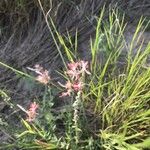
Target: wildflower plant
<point>76,79</point>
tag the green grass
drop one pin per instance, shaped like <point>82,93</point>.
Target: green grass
<point>113,110</point>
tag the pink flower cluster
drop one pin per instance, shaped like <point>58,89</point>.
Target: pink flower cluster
<point>75,71</point>
<point>43,76</point>
<point>32,112</point>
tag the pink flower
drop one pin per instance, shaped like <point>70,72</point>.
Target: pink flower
<point>77,86</point>
<point>73,66</point>
<point>73,74</point>
<point>84,66</point>
<point>64,94</point>
<point>43,76</point>
<point>33,107</point>
<point>73,71</point>
<point>68,87</point>
<point>32,112</point>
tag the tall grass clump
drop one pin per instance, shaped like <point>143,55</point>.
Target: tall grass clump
<point>102,103</point>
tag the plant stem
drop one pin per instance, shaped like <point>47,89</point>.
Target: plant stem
<point>76,107</point>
